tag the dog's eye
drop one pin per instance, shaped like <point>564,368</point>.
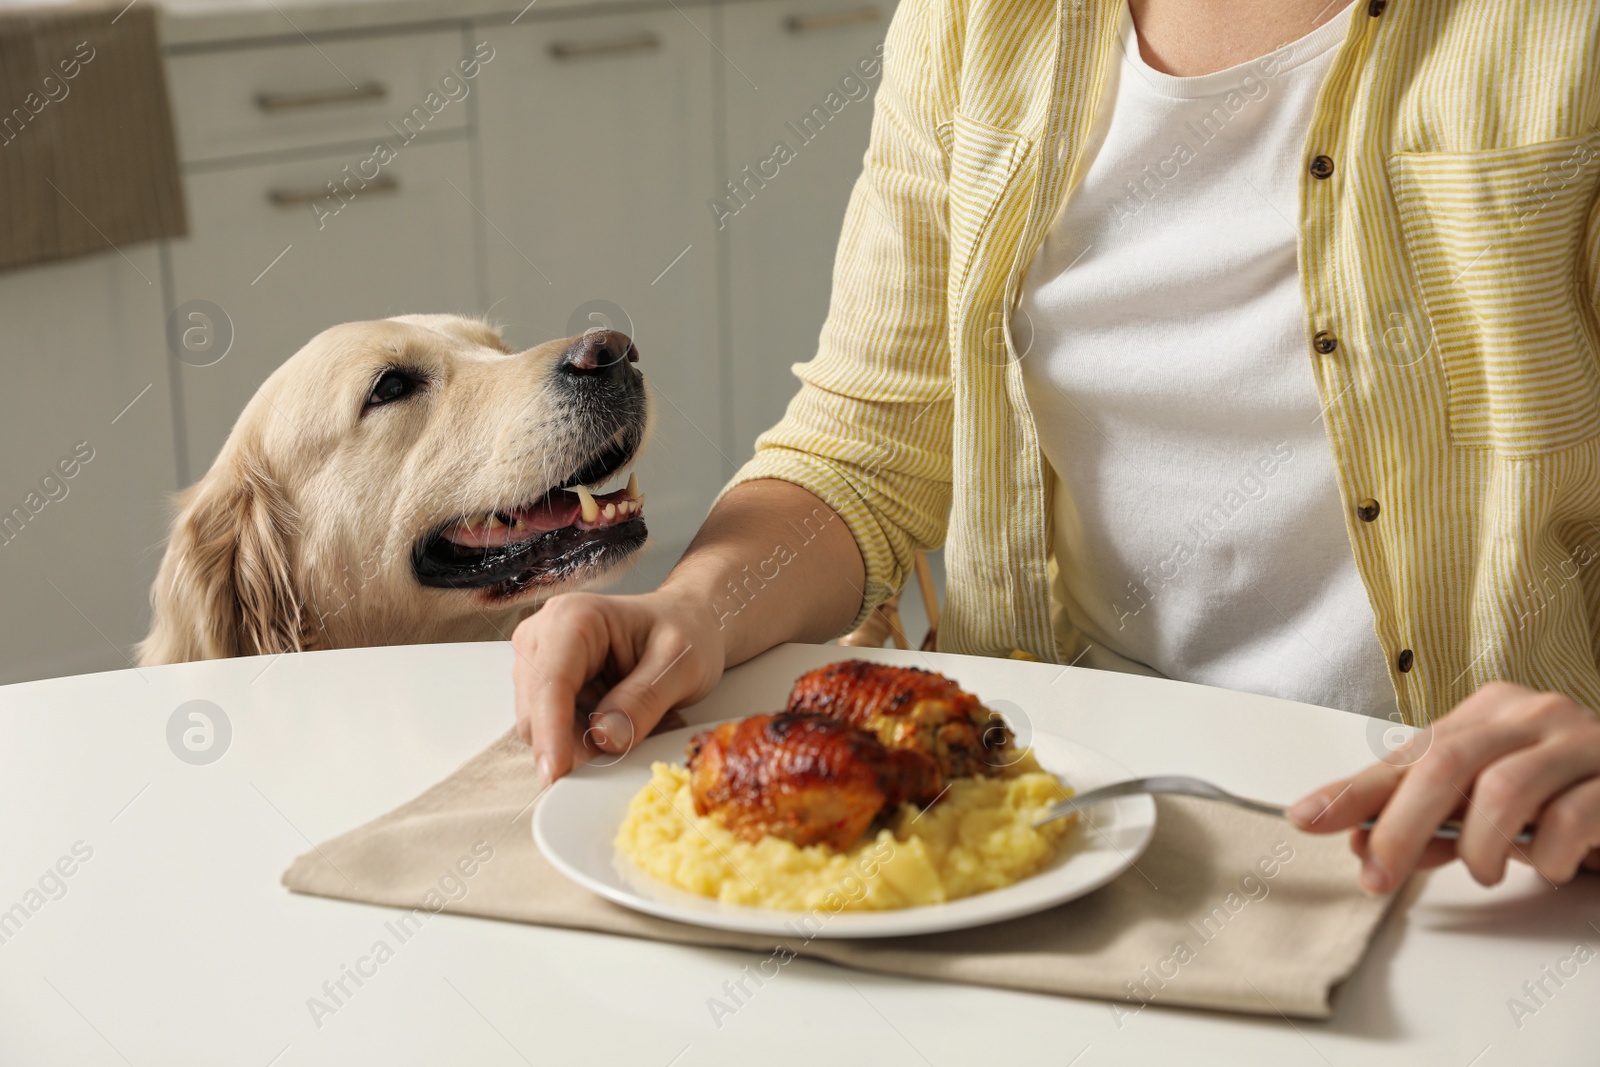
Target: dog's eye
<point>392,385</point>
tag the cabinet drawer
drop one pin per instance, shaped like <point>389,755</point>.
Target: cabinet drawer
<point>272,97</point>
<point>281,266</point>
<point>597,141</point>
<point>820,72</point>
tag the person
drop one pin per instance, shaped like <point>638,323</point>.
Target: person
<point>1265,365</point>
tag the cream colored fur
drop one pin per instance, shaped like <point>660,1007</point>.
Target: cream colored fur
<point>300,535</point>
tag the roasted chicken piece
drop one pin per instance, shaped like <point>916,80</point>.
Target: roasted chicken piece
<point>909,709</point>
<point>808,779</point>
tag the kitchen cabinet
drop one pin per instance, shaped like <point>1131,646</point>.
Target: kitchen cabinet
<point>814,69</point>
<point>583,177</point>
<point>86,432</point>
<point>273,273</point>
<point>243,102</point>
<point>596,138</point>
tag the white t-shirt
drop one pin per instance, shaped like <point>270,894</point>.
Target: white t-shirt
<point>1166,357</point>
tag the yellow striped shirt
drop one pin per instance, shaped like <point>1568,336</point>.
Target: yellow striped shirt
<point>1449,254</point>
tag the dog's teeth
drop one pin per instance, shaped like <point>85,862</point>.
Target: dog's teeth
<point>586,503</point>
<point>633,486</point>
<point>610,511</point>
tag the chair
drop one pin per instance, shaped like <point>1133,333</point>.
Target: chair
<point>884,625</point>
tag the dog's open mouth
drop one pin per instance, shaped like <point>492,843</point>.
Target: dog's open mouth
<point>568,531</point>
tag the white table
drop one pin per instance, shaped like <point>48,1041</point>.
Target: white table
<point>174,943</point>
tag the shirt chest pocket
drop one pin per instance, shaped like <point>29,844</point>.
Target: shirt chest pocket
<point>982,160</point>
<point>1496,241</point>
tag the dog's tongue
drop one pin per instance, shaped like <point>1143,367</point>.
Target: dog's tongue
<point>553,511</point>
<point>550,513</point>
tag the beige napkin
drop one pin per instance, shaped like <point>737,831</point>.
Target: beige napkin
<point>1226,909</point>
<point>88,159</point>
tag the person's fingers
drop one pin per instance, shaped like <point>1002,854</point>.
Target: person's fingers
<point>1488,701</point>
<point>1509,793</point>
<point>556,651</point>
<point>1342,804</point>
<point>1430,790</point>
<point>523,640</point>
<point>668,673</point>
<point>1569,831</point>
<point>1439,852</point>
<point>1514,748</point>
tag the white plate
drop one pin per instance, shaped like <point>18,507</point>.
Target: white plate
<point>576,826</point>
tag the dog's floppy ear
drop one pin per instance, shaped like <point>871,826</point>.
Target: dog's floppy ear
<point>225,587</point>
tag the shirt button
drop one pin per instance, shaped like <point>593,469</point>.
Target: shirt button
<point>1321,166</point>
<point>1376,7</point>
<point>1367,509</point>
<point>1324,342</point>
<point>1404,660</point>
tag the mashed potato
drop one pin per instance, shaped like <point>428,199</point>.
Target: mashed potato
<point>978,837</point>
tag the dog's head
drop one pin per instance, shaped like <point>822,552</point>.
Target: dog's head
<point>406,480</point>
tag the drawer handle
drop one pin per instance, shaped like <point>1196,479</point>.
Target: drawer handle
<point>359,94</point>
<point>832,19</point>
<point>643,42</point>
<point>296,197</point>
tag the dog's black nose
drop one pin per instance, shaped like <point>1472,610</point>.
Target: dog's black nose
<point>600,354</point>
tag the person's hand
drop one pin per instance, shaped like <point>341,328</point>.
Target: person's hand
<point>1505,757</point>
<point>596,673</point>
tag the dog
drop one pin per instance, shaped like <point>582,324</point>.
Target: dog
<point>404,481</point>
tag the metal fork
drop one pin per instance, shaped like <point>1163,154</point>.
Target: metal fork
<point>1449,830</point>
